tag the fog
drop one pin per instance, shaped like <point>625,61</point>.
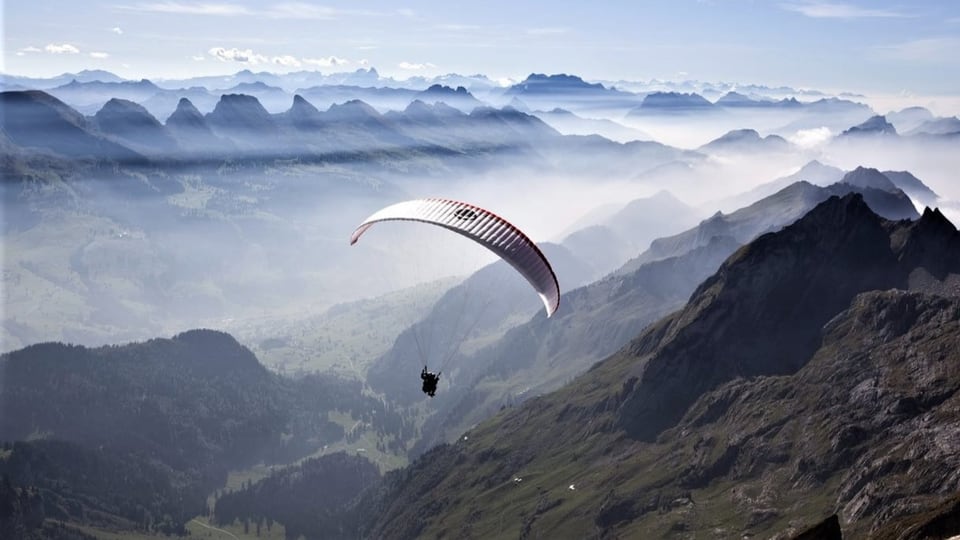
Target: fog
<point>109,235</point>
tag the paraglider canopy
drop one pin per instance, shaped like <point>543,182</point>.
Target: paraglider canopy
<point>483,227</point>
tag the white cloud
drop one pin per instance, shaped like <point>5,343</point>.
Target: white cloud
<point>286,61</point>
<point>99,55</point>
<point>326,61</point>
<point>809,138</point>
<point>27,50</point>
<point>836,10</point>
<point>283,10</point>
<point>414,67</point>
<point>363,62</point>
<point>245,56</point>
<point>63,48</point>
<point>406,12</point>
<point>192,8</point>
<point>117,30</point>
<point>197,58</point>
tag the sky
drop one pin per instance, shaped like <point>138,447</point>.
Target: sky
<point>881,47</point>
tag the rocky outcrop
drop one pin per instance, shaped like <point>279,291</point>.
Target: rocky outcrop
<point>761,313</point>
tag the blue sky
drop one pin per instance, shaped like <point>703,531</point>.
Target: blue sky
<point>862,46</point>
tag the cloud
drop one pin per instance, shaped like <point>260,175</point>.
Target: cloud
<point>406,12</point>
<point>63,48</point>
<point>198,58</point>
<point>414,67</point>
<point>283,10</point>
<point>28,50</point>
<point>809,138</point>
<point>326,61</point>
<point>234,54</point>
<point>117,30</point>
<point>835,10</point>
<point>363,62</point>
<point>192,8</point>
<point>99,55</point>
<point>286,61</point>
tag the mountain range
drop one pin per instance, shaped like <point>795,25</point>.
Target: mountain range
<point>782,367</point>
<point>88,91</point>
<point>701,423</point>
<point>596,320</point>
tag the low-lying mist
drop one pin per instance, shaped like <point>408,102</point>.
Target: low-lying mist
<point>96,254</point>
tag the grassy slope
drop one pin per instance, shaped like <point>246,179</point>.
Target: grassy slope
<point>650,490</point>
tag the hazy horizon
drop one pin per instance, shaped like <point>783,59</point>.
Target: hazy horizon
<point>882,48</point>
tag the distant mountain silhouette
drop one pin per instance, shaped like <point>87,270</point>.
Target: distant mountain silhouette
<point>244,120</point>
<point>569,91</point>
<point>913,186</point>
<point>910,118</point>
<point>273,99</point>
<point>813,172</point>
<point>191,129</point>
<point>875,125</point>
<point>36,119</point>
<point>241,114</point>
<point>770,214</point>
<point>458,98</point>
<point>939,126</point>
<point>671,103</point>
<point>538,83</point>
<point>746,141</point>
<point>135,127</point>
<point>569,123</point>
<point>88,97</point>
<point>384,98</point>
<point>738,100</point>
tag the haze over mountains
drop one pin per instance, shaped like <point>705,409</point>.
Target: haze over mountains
<point>757,329</point>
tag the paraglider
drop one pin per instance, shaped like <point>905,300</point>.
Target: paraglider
<point>485,228</point>
<point>430,381</point>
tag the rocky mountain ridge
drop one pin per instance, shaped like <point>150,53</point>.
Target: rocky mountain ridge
<point>702,425</point>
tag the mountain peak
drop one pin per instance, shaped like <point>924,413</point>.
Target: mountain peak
<point>865,177</point>
<point>185,106</point>
<point>302,106</point>
<point>187,116</point>
<point>744,302</point>
<point>541,84</point>
<point>124,117</point>
<point>354,108</point>
<point>119,105</point>
<point>877,125</point>
<point>674,100</point>
<point>936,219</point>
<point>241,111</point>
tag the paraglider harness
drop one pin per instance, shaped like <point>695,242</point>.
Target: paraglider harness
<point>429,381</point>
